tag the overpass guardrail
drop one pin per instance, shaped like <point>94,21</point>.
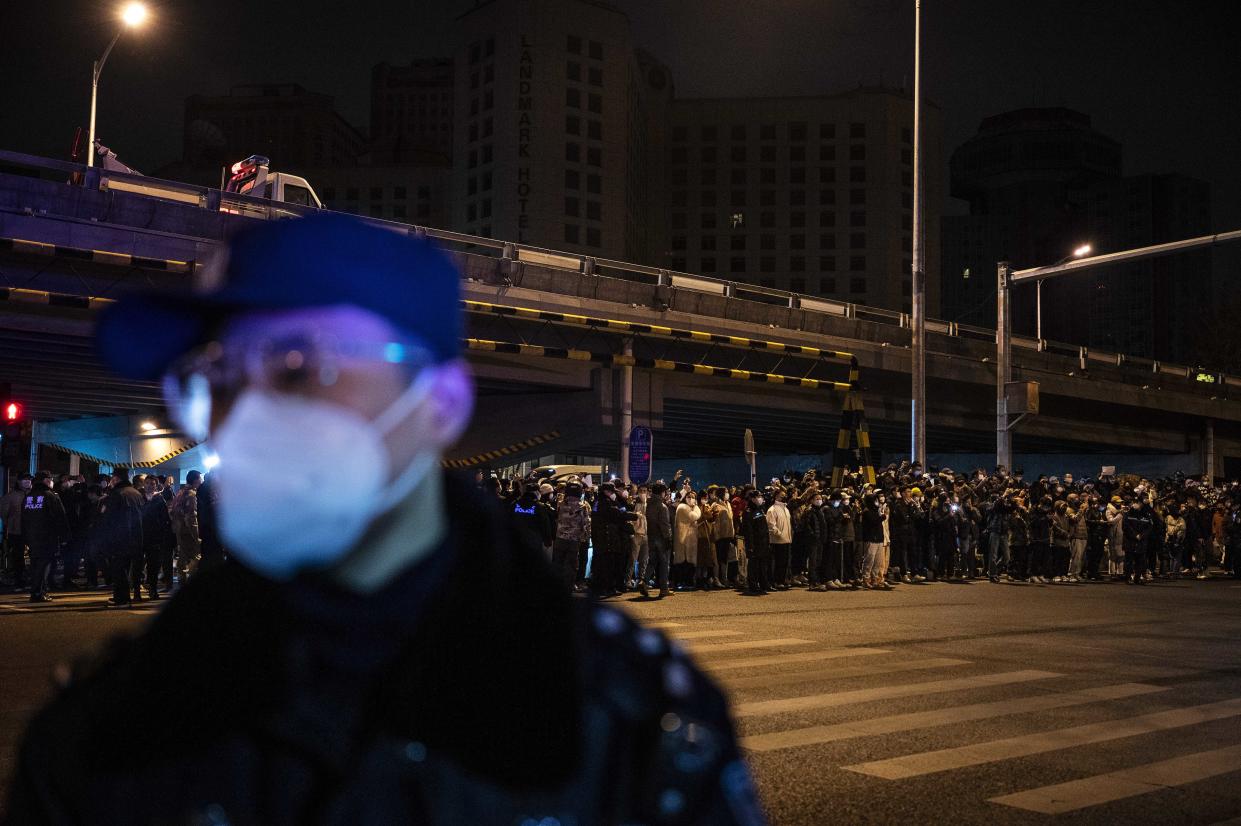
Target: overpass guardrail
<point>513,255</point>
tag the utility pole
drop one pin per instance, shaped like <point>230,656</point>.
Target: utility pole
<point>1003,367</point>
<point>917,411</point>
<point>626,417</point>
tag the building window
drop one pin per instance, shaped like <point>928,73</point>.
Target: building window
<point>767,132</point>
<point>485,212</point>
<point>907,157</point>
<point>679,220</point>
<point>797,219</point>
<point>377,193</point>
<point>471,212</point>
<point>737,198</point>
<point>398,211</point>
<point>572,232</point>
<point>797,242</point>
<point>827,175</point>
<point>707,198</point>
<point>572,207</point>
<point>489,47</point>
<point>797,131</point>
<point>678,198</point>
<point>827,197</point>
<point>767,220</point>
<point>573,125</point>
<point>738,154</point>
<point>797,154</point>
<point>594,103</point>
<point>594,184</point>
<point>737,132</point>
<point>707,220</point>
<point>475,52</point>
<point>907,222</point>
<point>857,197</point>
<point>767,242</point>
<point>708,134</point>
<point>797,197</point>
<point>857,152</point>
<point>768,176</point>
<point>857,263</point>
<point>573,45</point>
<point>487,153</point>
<point>573,152</point>
<point>594,237</point>
<point>679,155</point>
<point>906,288</point>
<point>678,242</point>
<point>593,210</point>
<point>907,200</point>
<point>594,130</point>
<point>827,241</point>
<point>351,193</point>
<point>857,286</point>
<point>737,177</point>
<point>596,50</point>
<point>707,242</point>
<point>573,70</point>
<point>706,177</point>
<point>797,285</point>
<point>827,263</point>
<point>678,264</point>
<point>487,127</point>
<point>767,154</point>
<point>827,153</point>
<point>857,130</point>
<point>737,242</point>
<point>573,98</point>
<point>738,220</point>
<point>736,265</point>
<point>594,156</point>
<point>767,197</point>
<point>767,264</point>
<point>827,131</point>
<point>797,263</point>
<point>857,174</point>
<point>907,135</point>
<point>594,76</point>
<point>708,155</point>
<point>827,286</point>
<point>797,175</point>
<point>471,185</point>
<point>680,134</point>
<point>708,265</point>
<point>857,240</point>
<point>678,177</point>
<point>572,179</point>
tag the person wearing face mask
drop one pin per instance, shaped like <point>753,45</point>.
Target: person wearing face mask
<point>381,644</point>
<point>685,540</point>
<point>183,513</point>
<point>780,535</point>
<point>1138,527</point>
<point>44,527</point>
<point>757,535</point>
<point>11,516</point>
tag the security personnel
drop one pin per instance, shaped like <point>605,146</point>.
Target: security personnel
<point>389,650</point>
<point>757,544</point>
<point>44,527</point>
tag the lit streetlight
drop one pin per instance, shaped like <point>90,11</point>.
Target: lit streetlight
<point>1080,252</point>
<point>133,16</point>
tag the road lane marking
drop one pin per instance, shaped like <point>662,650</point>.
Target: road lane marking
<point>864,695</point>
<point>788,659</point>
<point>814,735</point>
<point>839,673</point>
<point>713,647</point>
<point>696,635</point>
<point>931,762</point>
<point>663,624</point>
<point>1118,785</point>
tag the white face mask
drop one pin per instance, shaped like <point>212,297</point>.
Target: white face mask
<point>307,522</point>
<point>24,484</point>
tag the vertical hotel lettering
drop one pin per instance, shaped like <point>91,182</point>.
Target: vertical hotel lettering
<point>525,97</point>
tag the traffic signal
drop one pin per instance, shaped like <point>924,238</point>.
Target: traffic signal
<point>14,431</point>
<point>12,412</point>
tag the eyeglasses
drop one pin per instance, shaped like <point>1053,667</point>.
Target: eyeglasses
<point>294,364</point>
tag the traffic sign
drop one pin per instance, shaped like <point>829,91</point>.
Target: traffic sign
<point>640,458</point>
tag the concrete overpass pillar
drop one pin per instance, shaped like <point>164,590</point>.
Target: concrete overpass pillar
<point>1208,452</point>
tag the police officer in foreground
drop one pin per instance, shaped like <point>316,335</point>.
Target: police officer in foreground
<point>385,651</point>
<point>44,527</point>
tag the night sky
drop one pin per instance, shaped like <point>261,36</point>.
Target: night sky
<point>1162,78</point>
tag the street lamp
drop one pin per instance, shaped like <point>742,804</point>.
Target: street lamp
<point>132,15</point>
<point>1080,252</point>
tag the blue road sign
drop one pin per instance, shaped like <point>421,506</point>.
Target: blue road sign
<point>640,440</point>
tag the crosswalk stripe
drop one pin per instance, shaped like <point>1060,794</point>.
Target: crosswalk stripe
<point>713,647</point>
<point>1117,785</point>
<point>789,659</point>
<point>697,635</point>
<point>814,735</point>
<point>863,695</point>
<point>664,624</point>
<point>839,673</point>
<point>931,762</point>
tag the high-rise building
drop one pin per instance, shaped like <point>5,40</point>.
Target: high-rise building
<point>412,108</point>
<point>808,194</point>
<point>1041,182</point>
<point>296,128</point>
<point>558,119</point>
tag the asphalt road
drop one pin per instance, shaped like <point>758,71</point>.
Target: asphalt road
<point>935,703</point>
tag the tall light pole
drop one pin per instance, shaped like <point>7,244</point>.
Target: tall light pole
<point>918,304</point>
<point>1080,252</point>
<point>132,16</point>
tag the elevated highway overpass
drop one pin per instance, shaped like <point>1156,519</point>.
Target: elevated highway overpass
<point>549,374</point>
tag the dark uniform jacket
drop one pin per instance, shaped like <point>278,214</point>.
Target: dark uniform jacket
<point>44,523</point>
<point>505,701</point>
<point>120,522</point>
<point>754,530</point>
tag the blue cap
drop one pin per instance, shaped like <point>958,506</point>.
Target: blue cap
<point>317,261</point>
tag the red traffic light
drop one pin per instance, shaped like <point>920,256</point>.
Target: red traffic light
<point>12,412</point>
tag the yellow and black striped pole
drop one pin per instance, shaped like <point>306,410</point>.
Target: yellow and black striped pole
<point>852,426</point>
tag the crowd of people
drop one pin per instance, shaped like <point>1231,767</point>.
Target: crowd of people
<point>144,534</point>
<point>909,526</point>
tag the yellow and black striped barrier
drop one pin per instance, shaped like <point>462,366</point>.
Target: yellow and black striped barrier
<point>852,426</point>
<point>652,329</point>
<point>615,360</point>
<point>119,259</point>
<point>491,455</point>
<point>185,448</point>
<point>28,296</point>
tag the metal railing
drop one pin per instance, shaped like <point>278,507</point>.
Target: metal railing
<point>211,199</point>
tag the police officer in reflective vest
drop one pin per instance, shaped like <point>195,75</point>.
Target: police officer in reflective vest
<point>390,650</point>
